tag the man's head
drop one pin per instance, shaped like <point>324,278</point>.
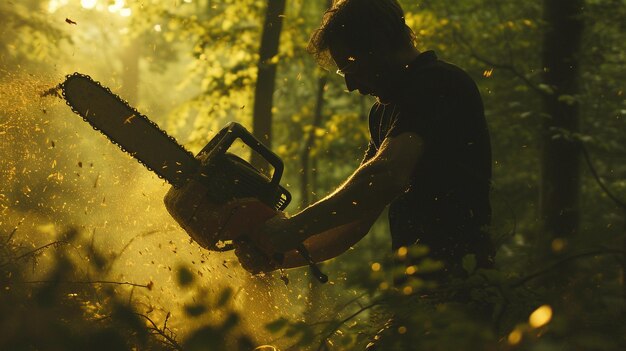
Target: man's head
<point>367,40</point>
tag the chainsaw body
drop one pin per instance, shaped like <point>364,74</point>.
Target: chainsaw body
<point>228,198</point>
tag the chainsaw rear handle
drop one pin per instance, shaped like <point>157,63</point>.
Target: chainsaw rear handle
<point>232,132</point>
<point>315,270</point>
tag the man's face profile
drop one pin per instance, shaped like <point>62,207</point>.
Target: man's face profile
<point>361,72</point>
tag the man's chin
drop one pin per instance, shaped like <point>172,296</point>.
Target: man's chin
<point>382,99</point>
<point>371,93</point>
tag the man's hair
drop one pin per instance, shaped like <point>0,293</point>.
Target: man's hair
<point>362,26</point>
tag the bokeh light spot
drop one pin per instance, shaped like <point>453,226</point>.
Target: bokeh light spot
<point>376,266</point>
<point>515,337</point>
<point>540,317</point>
<point>88,4</point>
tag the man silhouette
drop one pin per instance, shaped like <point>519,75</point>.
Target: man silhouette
<point>429,157</point>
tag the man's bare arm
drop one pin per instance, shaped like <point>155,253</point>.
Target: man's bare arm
<point>331,243</point>
<point>359,200</point>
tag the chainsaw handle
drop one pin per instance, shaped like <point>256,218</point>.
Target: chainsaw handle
<point>236,130</point>
<point>315,270</point>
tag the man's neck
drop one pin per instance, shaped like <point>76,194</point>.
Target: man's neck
<point>407,56</point>
<point>401,58</point>
<point>401,62</point>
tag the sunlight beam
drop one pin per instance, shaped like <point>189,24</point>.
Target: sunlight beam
<point>88,4</point>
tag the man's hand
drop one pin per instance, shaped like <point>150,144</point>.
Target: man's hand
<point>277,235</point>
<point>264,252</point>
<point>253,259</point>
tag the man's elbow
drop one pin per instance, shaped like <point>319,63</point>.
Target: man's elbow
<point>395,179</point>
<point>400,182</point>
<point>391,177</point>
<point>391,183</point>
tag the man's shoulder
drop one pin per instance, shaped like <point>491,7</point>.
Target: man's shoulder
<point>442,73</point>
<point>436,83</point>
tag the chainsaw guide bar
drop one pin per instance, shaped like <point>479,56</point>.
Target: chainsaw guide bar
<point>127,128</point>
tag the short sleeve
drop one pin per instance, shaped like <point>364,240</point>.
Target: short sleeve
<point>419,116</point>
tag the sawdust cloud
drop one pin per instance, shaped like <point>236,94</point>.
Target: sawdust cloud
<point>58,173</point>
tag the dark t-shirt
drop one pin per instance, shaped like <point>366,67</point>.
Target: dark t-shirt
<point>447,205</point>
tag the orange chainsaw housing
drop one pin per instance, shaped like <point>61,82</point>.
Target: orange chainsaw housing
<point>213,225</point>
<point>227,198</point>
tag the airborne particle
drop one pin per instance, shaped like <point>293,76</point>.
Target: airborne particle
<point>129,119</point>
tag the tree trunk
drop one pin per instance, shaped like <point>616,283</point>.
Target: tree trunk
<point>264,90</point>
<point>306,188</point>
<point>130,72</point>
<point>560,179</point>
<point>315,299</point>
<point>623,257</point>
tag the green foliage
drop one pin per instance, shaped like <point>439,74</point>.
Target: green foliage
<point>469,263</point>
<point>67,309</point>
<point>26,35</point>
<point>63,310</point>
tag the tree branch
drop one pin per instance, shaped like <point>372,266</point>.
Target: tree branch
<point>595,175</point>
<point>34,252</point>
<point>147,286</point>
<point>541,272</point>
<point>342,322</point>
<point>507,67</point>
<point>170,339</point>
<point>13,232</point>
<point>460,39</point>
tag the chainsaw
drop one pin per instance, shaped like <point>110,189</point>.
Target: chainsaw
<point>216,196</point>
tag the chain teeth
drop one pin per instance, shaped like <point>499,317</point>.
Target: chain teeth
<point>137,115</point>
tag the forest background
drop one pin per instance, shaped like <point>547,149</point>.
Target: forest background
<point>90,259</point>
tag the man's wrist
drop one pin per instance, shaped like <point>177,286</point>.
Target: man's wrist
<point>298,227</point>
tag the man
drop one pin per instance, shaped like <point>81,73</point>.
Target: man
<point>429,156</point>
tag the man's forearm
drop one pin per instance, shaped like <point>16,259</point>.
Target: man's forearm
<point>330,243</point>
<point>370,188</point>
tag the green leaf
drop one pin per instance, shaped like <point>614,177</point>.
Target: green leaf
<point>469,263</point>
<point>195,310</point>
<point>567,99</point>
<point>416,251</point>
<point>277,325</point>
<point>429,265</point>
<point>185,277</point>
<point>230,322</point>
<point>546,88</point>
<point>224,297</point>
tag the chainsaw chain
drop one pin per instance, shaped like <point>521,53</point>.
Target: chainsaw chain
<point>137,115</point>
